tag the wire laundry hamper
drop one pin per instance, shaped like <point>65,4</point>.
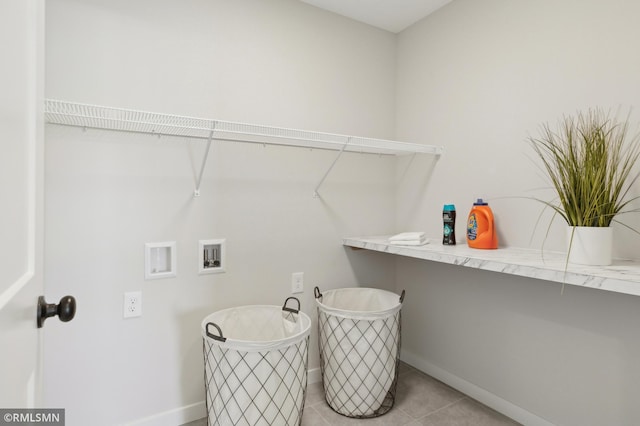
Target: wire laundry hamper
<point>359,338</point>
<point>256,373</point>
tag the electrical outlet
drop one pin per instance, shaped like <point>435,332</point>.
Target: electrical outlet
<point>297,282</point>
<point>132,304</point>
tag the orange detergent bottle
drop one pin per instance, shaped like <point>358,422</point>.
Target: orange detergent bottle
<point>481,232</point>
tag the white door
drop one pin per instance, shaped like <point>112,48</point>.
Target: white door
<point>21,200</point>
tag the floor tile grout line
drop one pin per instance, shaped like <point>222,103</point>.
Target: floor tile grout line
<point>326,422</point>
<point>443,407</point>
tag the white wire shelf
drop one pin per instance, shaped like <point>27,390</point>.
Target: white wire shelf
<point>127,120</point>
<point>101,117</point>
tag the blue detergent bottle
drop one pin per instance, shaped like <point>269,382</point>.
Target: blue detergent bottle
<point>449,230</point>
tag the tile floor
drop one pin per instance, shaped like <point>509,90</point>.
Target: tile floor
<point>420,401</point>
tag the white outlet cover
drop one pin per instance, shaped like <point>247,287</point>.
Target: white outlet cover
<point>297,282</point>
<point>132,304</point>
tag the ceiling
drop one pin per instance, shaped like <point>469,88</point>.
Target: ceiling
<point>390,15</point>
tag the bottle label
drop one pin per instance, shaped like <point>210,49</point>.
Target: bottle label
<point>472,227</point>
<point>449,235</point>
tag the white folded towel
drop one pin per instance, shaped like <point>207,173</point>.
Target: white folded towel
<point>408,236</point>
<point>409,243</point>
<point>408,239</point>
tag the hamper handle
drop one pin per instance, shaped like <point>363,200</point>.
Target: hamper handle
<point>402,296</point>
<point>220,338</point>
<point>316,292</point>
<point>285,308</point>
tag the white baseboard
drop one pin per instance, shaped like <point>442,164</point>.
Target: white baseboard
<point>177,416</point>
<point>487,398</point>
<point>189,413</point>
<point>198,410</point>
<point>314,375</point>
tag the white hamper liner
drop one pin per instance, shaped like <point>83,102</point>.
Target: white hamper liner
<point>256,360</point>
<point>359,339</point>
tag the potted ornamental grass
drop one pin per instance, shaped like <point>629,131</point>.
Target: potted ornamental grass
<point>591,163</point>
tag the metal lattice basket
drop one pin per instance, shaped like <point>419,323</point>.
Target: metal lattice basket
<point>359,337</point>
<point>256,373</point>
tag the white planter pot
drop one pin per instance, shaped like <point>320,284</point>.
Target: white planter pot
<point>590,245</point>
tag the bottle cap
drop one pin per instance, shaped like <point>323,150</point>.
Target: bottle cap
<point>480,203</point>
<point>449,208</point>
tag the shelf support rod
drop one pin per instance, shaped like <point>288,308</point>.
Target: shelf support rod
<point>196,192</point>
<point>315,191</point>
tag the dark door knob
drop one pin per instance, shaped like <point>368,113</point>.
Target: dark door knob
<point>65,310</point>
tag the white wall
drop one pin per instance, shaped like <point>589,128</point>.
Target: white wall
<point>479,77</point>
<point>273,62</point>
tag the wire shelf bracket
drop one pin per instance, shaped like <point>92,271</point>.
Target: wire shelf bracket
<point>315,191</point>
<point>89,116</point>
<point>196,192</point>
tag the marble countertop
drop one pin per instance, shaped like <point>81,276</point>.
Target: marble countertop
<point>621,277</point>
